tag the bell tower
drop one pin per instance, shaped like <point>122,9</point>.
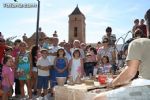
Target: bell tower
<point>77,26</point>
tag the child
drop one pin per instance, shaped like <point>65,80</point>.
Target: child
<point>46,43</point>
<point>106,66</point>
<point>90,61</point>
<point>76,65</point>
<point>43,65</point>
<point>3,46</point>
<point>24,69</point>
<point>35,54</point>
<point>15,52</point>
<point>8,76</point>
<point>61,64</point>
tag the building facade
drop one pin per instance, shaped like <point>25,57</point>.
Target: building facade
<point>77,26</point>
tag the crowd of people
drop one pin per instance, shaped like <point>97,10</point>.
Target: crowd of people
<point>38,66</point>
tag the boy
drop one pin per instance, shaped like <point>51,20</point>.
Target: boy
<point>43,66</point>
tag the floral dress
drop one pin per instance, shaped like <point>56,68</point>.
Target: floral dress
<point>75,68</point>
<point>23,67</point>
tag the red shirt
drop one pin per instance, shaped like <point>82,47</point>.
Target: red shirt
<point>2,52</point>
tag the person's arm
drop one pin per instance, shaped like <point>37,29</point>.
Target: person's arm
<point>40,67</point>
<point>16,60</point>
<point>114,57</point>
<point>53,54</point>
<point>31,64</point>
<point>66,67</point>
<point>99,58</point>
<point>55,67</point>
<point>127,74</point>
<point>69,66</point>
<point>82,68</point>
<point>38,64</point>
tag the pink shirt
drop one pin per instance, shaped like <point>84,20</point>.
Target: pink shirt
<point>15,52</point>
<point>9,73</point>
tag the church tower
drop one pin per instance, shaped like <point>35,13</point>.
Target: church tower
<point>77,26</point>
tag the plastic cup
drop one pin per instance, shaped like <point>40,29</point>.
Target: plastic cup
<point>102,79</point>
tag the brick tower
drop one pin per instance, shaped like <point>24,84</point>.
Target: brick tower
<point>77,26</point>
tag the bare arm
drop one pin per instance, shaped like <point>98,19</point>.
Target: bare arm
<point>69,66</point>
<point>127,74</point>
<point>99,58</point>
<point>114,57</point>
<point>55,67</point>
<point>82,68</point>
<point>66,67</point>
<point>30,59</point>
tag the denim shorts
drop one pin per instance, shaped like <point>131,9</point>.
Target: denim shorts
<point>42,82</point>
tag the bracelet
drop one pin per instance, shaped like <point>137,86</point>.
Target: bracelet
<point>111,84</point>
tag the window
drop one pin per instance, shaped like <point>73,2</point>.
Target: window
<point>75,19</point>
<point>75,31</point>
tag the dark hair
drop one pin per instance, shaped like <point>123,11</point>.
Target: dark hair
<point>136,20</point>
<point>94,50</point>
<point>126,47</point>
<point>77,50</point>
<point>17,41</point>
<point>58,52</point>
<point>23,43</point>
<point>108,29</point>
<point>106,58</point>
<point>34,54</point>
<point>8,48</point>
<point>138,32</point>
<point>6,58</point>
<point>98,42</point>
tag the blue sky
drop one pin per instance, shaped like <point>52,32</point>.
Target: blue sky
<point>119,14</point>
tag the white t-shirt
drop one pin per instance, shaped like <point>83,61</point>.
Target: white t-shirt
<point>68,56</point>
<point>43,62</point>
<point>53,49</point>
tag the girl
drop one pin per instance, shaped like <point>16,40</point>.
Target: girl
<point>8,76</point>
<point>76,65</point>
<point>23,62</point>
<point>35,53</point>
<point>15,52</point>
<point>106,66</point>
<point>61,64</point>
<point>90,61</point>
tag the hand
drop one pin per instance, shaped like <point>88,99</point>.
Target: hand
<point>60,70</point>
<point>4,75</point>
<point>31,73</point>
<point>46,68</point>
<point>110,85</point>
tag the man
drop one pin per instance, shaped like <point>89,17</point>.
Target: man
<point>111,37</point>
<point>143,28</point>
<point>147,19</point>
<point>136,25</point>
<point>52,55</point>
<point>137,59</point>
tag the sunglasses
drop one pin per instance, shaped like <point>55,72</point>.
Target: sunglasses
<point>105,41</point>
